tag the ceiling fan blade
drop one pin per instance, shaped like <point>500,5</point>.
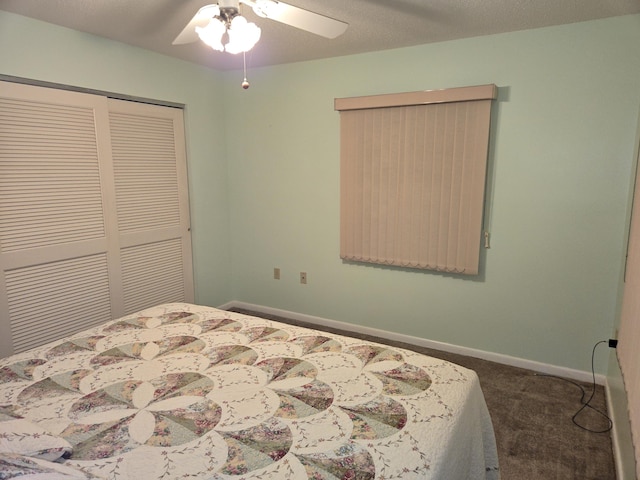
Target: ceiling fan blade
<point>297,17</point>
<point>200,19</point>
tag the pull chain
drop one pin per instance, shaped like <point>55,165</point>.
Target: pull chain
<point>245,83</point>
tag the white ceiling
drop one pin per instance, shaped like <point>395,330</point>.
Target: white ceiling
<point>373,24</point>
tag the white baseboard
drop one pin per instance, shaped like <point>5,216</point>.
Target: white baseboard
<point>545,368</point>
<point>615,445</point>
<point>621,436</point>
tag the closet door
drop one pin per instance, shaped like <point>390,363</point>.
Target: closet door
<point>54,205</point>
<point>90,228</point>
<point>152,202</point>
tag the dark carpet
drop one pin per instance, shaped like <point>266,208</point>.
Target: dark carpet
<point>532,417</point>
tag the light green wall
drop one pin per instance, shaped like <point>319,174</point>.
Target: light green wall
<point>45,52</point>
<point>264,178</point>
<point>561,158</point>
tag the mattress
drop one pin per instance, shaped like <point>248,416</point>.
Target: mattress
<point>188,391</point>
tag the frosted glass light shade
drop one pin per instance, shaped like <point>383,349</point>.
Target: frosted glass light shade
<point>242,35</point>
<point>212,34</point>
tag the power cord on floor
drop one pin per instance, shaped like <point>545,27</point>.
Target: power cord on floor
<point>587,404</point>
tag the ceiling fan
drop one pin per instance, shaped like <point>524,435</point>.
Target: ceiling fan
<point>226,12</point>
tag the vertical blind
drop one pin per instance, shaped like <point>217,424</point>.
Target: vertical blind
<point>412,178</point>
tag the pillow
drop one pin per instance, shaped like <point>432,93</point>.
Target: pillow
<point>20,467</point>
<point>19,435</point>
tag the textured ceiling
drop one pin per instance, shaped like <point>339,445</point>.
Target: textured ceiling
<point>373,24</point>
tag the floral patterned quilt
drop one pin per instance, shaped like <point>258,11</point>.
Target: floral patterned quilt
<point>187,391</point>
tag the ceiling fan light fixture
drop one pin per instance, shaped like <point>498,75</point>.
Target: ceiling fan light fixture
<point>243,35</point>
<point>212,34</point>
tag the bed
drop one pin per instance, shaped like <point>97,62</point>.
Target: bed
<point>188,391</point>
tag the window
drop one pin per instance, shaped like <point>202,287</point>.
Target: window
<point>412,177</point>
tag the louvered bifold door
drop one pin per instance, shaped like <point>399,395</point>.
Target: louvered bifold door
<point>54,254</point>
<point>152,204</point>
<point>94,216</point>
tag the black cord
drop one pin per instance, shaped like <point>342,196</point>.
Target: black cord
<point>586,404</point>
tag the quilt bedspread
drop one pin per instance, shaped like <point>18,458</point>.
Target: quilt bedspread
<point>187,391</point>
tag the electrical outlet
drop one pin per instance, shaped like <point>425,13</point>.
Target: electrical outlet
<point>276,274</point>
<point>303,278</point>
